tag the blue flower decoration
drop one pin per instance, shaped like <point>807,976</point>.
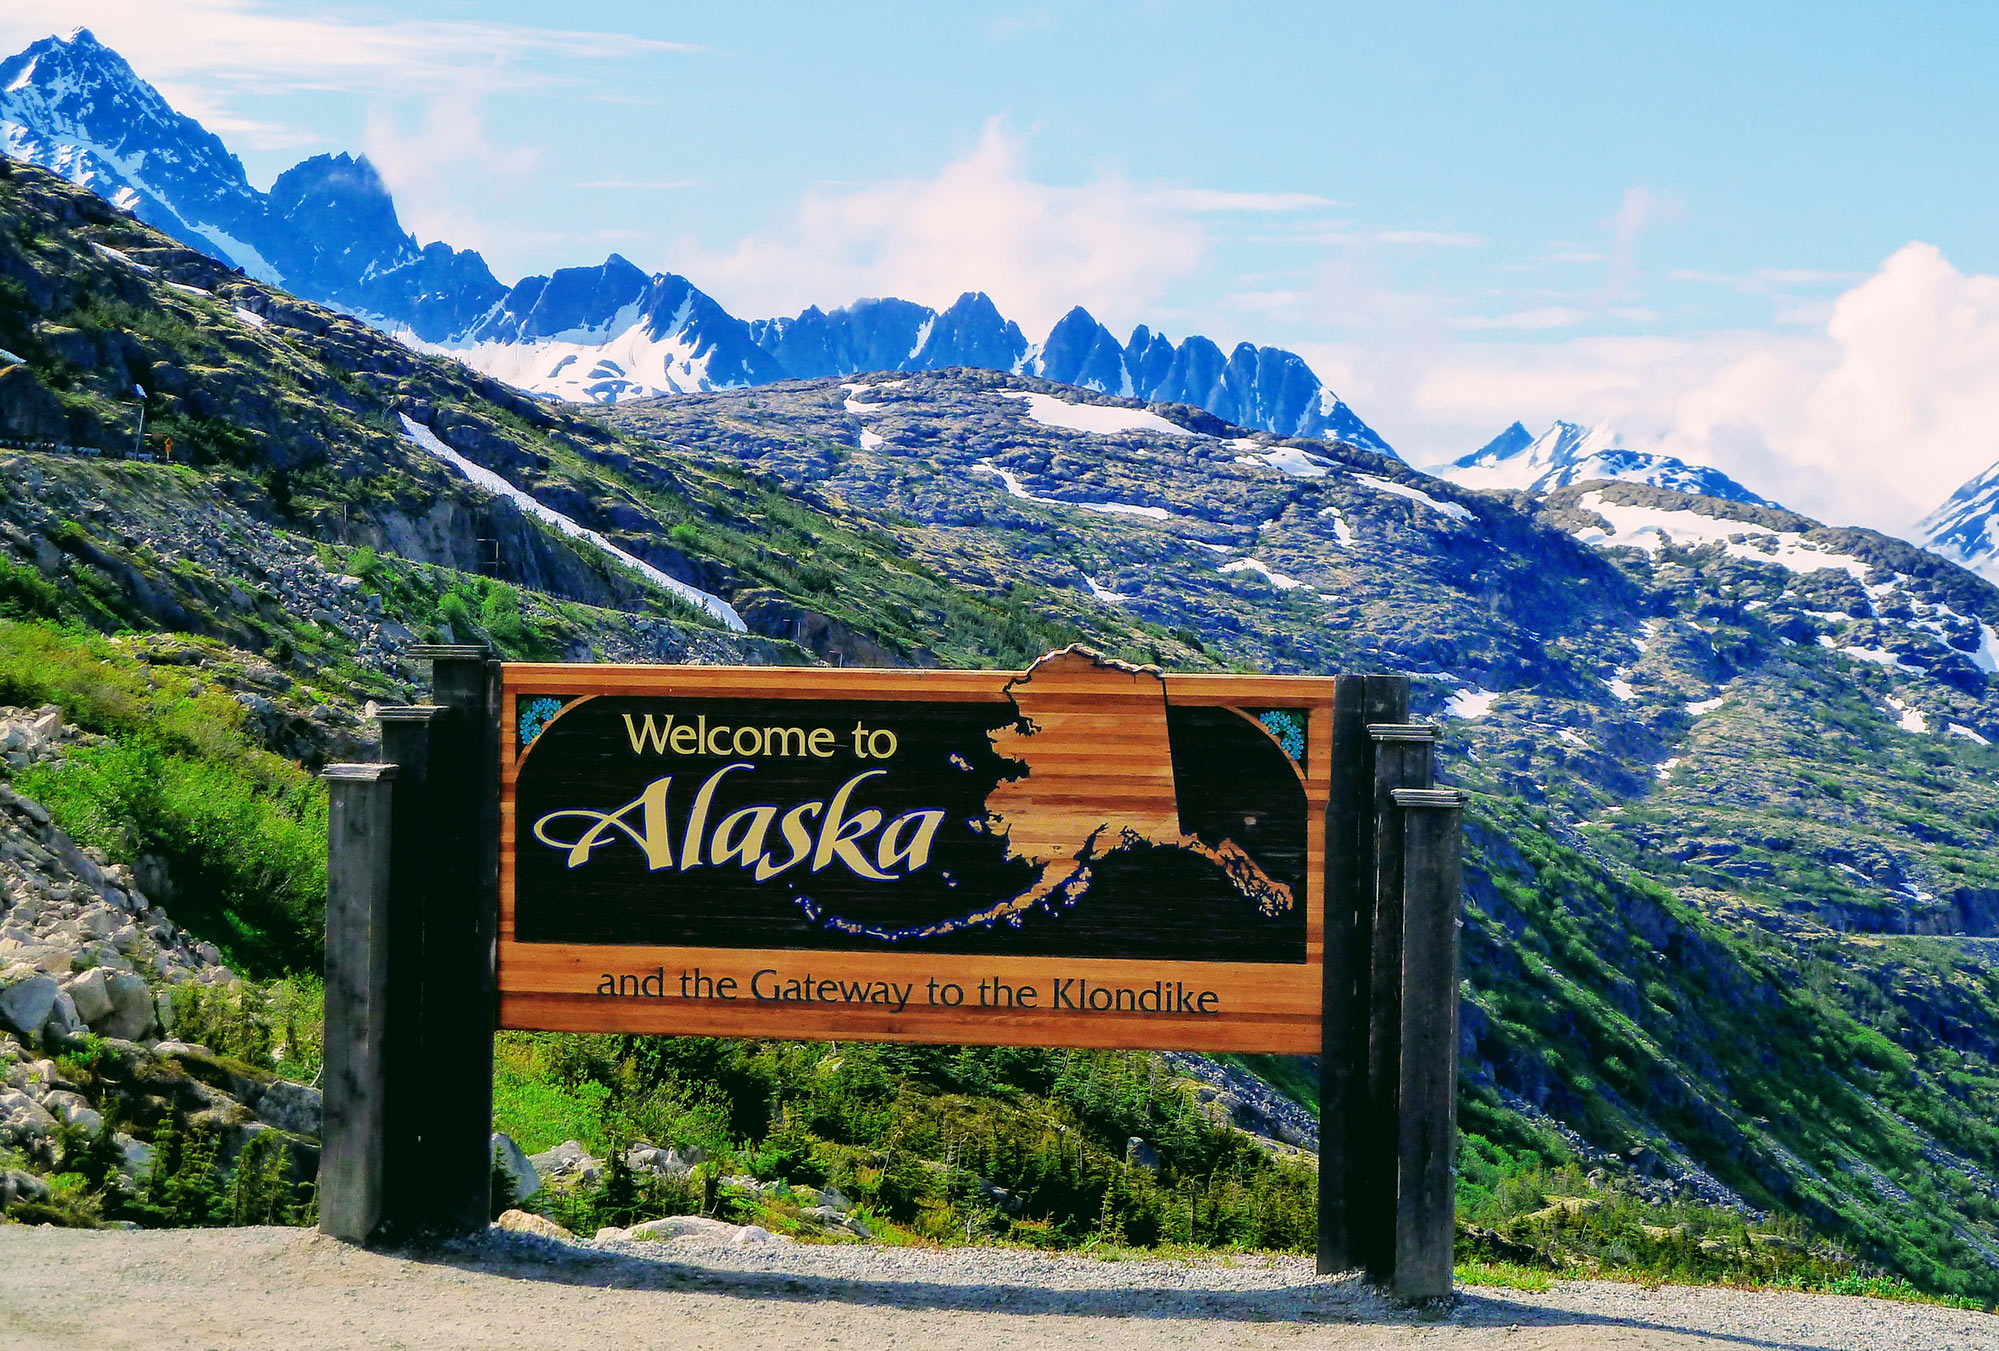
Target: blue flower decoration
<point>1288,728</point>
<point>535,715</point>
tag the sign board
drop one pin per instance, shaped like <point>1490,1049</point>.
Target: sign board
<point>1081,854</point>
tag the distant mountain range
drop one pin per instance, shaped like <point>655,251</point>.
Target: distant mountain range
<point>328,231</point>
<point>1567,453</point>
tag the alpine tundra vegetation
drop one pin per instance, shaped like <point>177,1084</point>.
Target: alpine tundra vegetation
<point>1729,1007</point>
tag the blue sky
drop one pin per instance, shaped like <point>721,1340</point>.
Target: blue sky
<point>1461,213</point>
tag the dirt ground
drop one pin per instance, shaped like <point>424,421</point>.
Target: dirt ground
<point>290,1289</point>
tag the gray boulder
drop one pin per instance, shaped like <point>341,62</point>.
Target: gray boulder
<point>23,1121</point>
<point>290,1107</point>
<point>16,1185</point>
<point>27,1001</point>
<point>567,1162</point>
<point>1139,1154</point>
<point>63,1019</point>
<point>72,1109</point>
<point>88,993</point>
<point>515,1160</point>
<point>683,1226</point>
<point>132,1012</point>
<point>136,1156</point>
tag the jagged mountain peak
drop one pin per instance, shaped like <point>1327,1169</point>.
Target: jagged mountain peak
<point>1965,529</point>
<point>1570,452</point>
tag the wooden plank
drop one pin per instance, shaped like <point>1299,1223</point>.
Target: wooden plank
<point>783,682</point>
<point>359,839</point>
<point>563,1013</point>
<point>1426,1141</point>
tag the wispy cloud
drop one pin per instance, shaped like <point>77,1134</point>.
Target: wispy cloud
<point>1766,280</point>
<point>638,184</point>
<point>1638,208</point>
<point>1540,318</point>
<point>983,223</point>
<point>1216,200</point>
<point>1436,239</point>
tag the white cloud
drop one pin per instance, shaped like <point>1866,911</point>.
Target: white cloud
<point>203,54</point>
<point>980,224</point>
<point>1880,420</point>
<point>1872,417</point>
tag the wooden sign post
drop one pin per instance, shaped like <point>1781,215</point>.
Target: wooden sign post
<point>1080,854</point>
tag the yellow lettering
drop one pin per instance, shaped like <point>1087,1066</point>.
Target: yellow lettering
<point>652,835</point>
<point>756,745</point>
<point>822,742</point>
<point>653,735</point>
<point>916,852</point>
<point>780,740</point>
<point>755,822</point>
<point>697,820</point>
<point>684,742</point>
<point>713,745</point>
<point>837,836</point>
<point>796,834</point>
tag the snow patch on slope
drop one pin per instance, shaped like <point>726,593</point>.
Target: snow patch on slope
<point>493,483</point>
<point>1097,419</point>
<point>1018,489</point>
<point>1387,485</point>
<point>1653,528</point>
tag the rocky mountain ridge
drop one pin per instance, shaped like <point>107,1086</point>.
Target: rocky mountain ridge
<point>1965,529</point>
<point>1568,453</point>
<point>328,231</point>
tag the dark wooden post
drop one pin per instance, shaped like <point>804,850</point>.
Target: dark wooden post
<point>406,734</point>
<point>359,842</point>
<point>1402,759</point>
<point>460,884</point>
<point>1351,1222</point>
<point>1343,1013</point>
<point>1427,1129</point>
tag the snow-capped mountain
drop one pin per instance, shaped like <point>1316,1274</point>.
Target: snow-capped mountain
<point>1264,387</point>
<point>1965,529</point>
<point>1518,461</point>
<point>611,332</point>
<point>75,107</point>
<point>328,231</point>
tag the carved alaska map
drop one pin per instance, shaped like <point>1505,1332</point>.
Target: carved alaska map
<point>1095,779</point>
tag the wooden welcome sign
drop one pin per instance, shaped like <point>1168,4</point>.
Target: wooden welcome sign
<point>1081,854</point>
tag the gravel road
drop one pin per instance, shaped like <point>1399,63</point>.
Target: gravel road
<point>291,1289</point>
